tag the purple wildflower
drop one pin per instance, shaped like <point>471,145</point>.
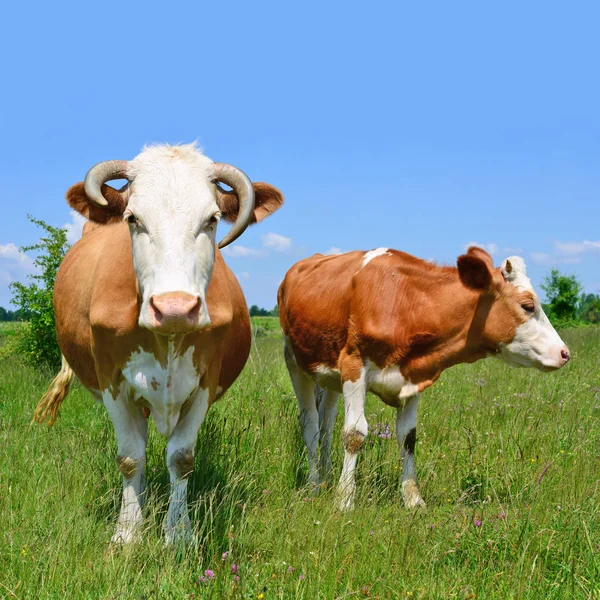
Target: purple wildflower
<point>236,578</point>
<point>234,568</point>
<point>225,555</point>
<point>302,576</point>
<point>290,569</point>
<point>209,574</point>
<point>477,522</point>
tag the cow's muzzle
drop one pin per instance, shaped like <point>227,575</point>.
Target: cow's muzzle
<point>174,312</point>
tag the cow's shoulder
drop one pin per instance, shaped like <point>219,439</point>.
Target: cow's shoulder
<point>393,304</point>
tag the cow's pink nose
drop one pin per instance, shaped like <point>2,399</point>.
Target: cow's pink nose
<point>175,312</point>
<point>565,354</point>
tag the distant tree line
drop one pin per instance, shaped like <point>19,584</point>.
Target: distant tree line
<point>11,315</point>
<point>255,311</point>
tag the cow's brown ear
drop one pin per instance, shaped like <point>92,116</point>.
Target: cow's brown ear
<point>78,200</point>
<point>267,199</point>
<point>474,270</point>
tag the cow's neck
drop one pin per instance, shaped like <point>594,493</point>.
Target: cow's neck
<point>456,337</point>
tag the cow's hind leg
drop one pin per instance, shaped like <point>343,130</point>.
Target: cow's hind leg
<point>327,414</point>
<point>406,433</point>
<point>131,430</point>
<point>180,461</point>
<point>355,429</point>
<point>304,386</point>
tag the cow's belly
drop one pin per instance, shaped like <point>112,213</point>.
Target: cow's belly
<point>164,388</point>
<point>389,383</point>
<point>327,378</point>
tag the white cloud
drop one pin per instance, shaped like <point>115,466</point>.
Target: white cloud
<point>244,275</point>
<point>270,241</point>
<point>278,242</point>
<point>565,253</point>
<point>74,227</point>
<point>574,248</point>
<point>11,253</point>
<point>238,251</point>
<point>492,248</point>
<point>15,265</point>
<point>334,250</point>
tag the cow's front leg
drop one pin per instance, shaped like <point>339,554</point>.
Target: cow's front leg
<point>180,461</point>
<point>131,429</point>
<point>406,433</point>
<point>355,429</point>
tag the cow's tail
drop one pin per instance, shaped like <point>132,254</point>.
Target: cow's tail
<point>47,408</point>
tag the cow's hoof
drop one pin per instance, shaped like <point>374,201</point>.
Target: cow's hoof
<point>344,504</point>
<point>411,495</point>
<point>180,536</point>
<point>125,536</point>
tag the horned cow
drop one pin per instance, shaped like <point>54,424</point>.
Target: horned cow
<point>148,315</point>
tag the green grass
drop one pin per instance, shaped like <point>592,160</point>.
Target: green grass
<point>8,329</point>
<point>266,327</point>
<point>515,449</point>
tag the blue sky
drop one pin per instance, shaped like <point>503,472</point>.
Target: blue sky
<point>417,127</point>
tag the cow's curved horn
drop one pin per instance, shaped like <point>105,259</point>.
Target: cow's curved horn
<point>241,185</point>
<point>101,173</point>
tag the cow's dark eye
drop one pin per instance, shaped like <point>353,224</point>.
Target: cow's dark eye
<point>212,222</point>
<point>131,219</point>
<point>528,307</point>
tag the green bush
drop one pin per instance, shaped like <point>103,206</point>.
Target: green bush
<point>36,340</point>
<point>562,292</point>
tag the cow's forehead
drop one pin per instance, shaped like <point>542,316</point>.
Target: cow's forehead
<point>160,167</point>
<point>523,283</point>
<point>155,161</point>
<point>517,274</point>
<point>166,176</point>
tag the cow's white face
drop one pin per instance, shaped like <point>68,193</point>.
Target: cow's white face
<point>536,343</point>
<point>172,215</point>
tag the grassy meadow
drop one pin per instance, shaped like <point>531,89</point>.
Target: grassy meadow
<point>508,461</point>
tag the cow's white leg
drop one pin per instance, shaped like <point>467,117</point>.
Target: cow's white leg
<point>304,386</point>
<point>353,436</point>
<point>131,429</point>
<point>327,414</point>
<point>406,433</point>
<point>180,461</point>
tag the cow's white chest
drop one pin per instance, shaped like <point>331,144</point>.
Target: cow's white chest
<point>165,388</point>
<point>389,382</point>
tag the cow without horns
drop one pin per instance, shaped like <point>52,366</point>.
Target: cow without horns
<point>389,323</point>
<point>148,315</point>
